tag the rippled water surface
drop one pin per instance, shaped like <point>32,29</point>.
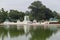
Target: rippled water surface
<point>27,32</point>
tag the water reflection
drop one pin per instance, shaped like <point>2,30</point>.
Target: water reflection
<point>40,34</point>
<point>25,32</point>
<point>26,28</point>
<point>55,36</point>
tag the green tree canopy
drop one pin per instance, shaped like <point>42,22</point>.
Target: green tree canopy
<point>3,15</point>
<point>15,15</point>
<point>40,11</point>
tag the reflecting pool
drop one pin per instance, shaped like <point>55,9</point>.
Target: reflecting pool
<point>28,32</point>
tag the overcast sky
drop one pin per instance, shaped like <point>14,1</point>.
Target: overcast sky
<point>22,5</point>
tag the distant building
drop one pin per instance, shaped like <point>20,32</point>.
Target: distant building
<point>53,20</point>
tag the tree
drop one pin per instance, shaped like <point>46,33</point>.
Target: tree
<point>40,11</point>
<point>14,15</point>
<point>56,15</point>
<point>3,15</point>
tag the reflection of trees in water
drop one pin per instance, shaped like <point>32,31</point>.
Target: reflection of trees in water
<point>3,30</point>
<point>37,32</point>
<point>40,34</point>
<point>12,31</point>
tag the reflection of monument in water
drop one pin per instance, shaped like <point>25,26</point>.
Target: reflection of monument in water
<point>27,31</point>
<point>26,28</point>
<point>8,36</point>
<point>3,36</point>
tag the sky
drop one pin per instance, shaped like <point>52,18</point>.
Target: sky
<point>22,5</point>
